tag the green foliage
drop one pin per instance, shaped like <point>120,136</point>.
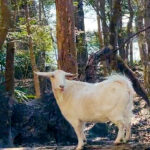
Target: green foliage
<point>48,3</point>
<point>2,67</point>
<point>20,96</point>
<point>42,38</point>
<point>2,60</point>
<point>22,65</point>
<point>42,41</point>
<point>75,3</point>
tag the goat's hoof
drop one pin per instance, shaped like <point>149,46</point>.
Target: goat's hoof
<point>79,147</point>
<point>117,142</point>
<point>124,141</point>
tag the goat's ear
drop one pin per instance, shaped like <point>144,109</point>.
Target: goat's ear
<point>44,74</point>
<point>71,76</point>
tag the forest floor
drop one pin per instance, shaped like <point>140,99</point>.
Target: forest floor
<point>91,147</point>
<point>140,139</point>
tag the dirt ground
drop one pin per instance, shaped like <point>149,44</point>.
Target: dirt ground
<point>90,147</point>
<point>140,139</point>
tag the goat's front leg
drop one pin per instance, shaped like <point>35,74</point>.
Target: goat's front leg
<point>78,127</point>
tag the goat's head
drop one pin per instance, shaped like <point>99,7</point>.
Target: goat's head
<point>58,78</point>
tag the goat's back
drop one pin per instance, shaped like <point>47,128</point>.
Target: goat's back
<point>99,102</point>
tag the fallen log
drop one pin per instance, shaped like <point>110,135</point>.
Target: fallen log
<point>121,66</point>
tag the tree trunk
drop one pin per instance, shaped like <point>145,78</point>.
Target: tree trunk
<point>5,20</point>
<point>41,67</point>
<point>41,53</point>
<point>139,26</point>
<point>147,33</point>
<point>121,39</point>
<point>81,44</point>
<point>32,56</point>
<point>40,11</point>
<point>141,42</point>
<point>67,54</point>
<point>9,73</point>
<point>101,43</point>
<point>105,28</point>
<point>114,24</point>
<point>131,53</point>
<point>129,28</point>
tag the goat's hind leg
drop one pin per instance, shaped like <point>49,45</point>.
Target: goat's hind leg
<point>83,134</point>
<point>121,132</point>
<point>128,133</point>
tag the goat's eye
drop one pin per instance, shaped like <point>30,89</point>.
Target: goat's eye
<point>52,76</point>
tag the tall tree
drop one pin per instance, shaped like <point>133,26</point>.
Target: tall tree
<point>5,20</point>
<point>32,56</point>
<point>81,44</point>
<point>9,73</point>
<point>147,23</point>
<point>114,25</point>
<point>97,8</point>
<point>114,22</point>
<point>41,53</point>
<point>103,17</point>
<point>100,8</point>
<point>141,38</point>
<point>67,54</point>
<point>129,32</point>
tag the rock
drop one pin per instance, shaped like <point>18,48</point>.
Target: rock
<point>39,122</point>
<point>99,130</point>
<point>5,121</point>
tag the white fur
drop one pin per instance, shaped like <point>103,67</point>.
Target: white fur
<point>81,102</point>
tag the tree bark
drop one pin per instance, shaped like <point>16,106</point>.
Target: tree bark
<point>81,44</point>
<point>129,28</point>
<point>9,73</point>
<point>116,13</point>
<point>5,20</point>
<point>114,24</point>
<point>32,56</point>
<point>97,5</point>
<point>139,26</point>
<point>67,54</point>
<point>105,27</point>
<point>121,38</point>
<point>131,53</point>
<point>41,58</point>
<point>147,33</point>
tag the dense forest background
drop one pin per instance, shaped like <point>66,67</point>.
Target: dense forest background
<point>92,38</point>
<point>45,35</point>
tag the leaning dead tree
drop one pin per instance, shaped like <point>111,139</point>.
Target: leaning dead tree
<point>121,66</point>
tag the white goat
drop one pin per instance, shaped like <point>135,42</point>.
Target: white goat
<point>81,102</point>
